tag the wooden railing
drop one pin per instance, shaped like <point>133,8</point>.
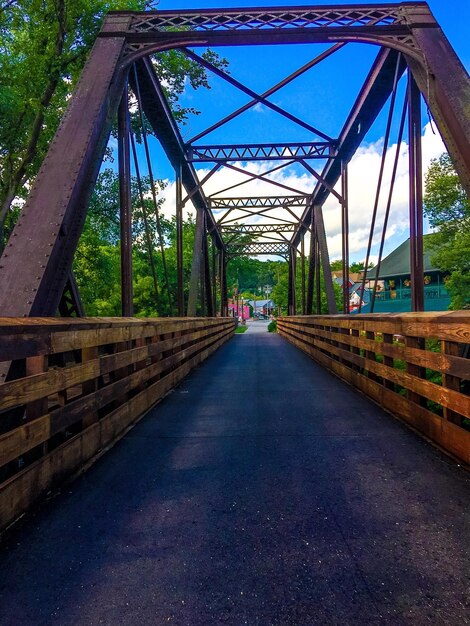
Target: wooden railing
<point>416,365</point>
<point>75,386</point>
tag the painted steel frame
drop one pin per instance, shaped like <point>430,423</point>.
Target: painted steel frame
<point>260,152</point>
<point>407,33</point>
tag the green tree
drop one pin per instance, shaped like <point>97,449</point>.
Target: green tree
<point>358,266</point>
<point>355,266</point>
<point>97,259</point>
<point>336,265</point>
<point>44,44</point>
<point>43,48</point>
<point>448,210</point>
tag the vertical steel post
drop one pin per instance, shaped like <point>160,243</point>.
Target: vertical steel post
<point>196,264</point>
<point>125,205</point>
<point>416,195</point>
<point>207,273</point>
<point>214,277</point>
<point>302,261</point>
<point>202,276</point>
<point>317,277</point>
<point>311,267</point>
<point>345,236</point>
<point>179,243</point>
<point>291,308</point>
<point>325,260</point>
<point>223,283</point>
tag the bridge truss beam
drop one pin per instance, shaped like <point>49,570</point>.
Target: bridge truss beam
<point>258,202</point>
<point>260,152</point>
<point>259,248</point>
<point>258,229</point>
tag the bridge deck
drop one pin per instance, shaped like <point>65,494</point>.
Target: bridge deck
<point>262,491</point>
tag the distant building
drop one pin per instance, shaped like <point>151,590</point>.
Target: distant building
<point>237,310</point>
<point>263,307</point>
<point>394,286</point>
<point>354,277</point>
<point>354,288</point>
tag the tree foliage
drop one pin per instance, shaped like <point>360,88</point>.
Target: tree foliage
<point>355,266</point>
<point>448,210</point>
<point>97,259</point>
<point>43,48</point>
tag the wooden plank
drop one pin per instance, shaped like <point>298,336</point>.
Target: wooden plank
<point>27,436</point>
<point>415,370</point>
<point>449,436</point>
<point>18,441</point>
<point>445,363</point>
<point>388,360</point>
<point>446,326</point>
<point>73,340</point>
<point>21,491</point>
<point>451,382</point>
<point>421,387</point>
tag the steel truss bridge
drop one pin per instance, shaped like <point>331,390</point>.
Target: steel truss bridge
<point>409,42</point>
<point>71,386</point>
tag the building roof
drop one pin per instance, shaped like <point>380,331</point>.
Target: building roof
<point>354,277</point>
<point>261,303</point>
<point>356,288</point>
<point>397,263</point>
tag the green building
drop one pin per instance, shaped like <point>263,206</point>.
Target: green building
<point>394,295</point>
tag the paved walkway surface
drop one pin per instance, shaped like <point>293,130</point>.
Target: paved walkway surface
<point>262,491</point>
<point>257,326</point>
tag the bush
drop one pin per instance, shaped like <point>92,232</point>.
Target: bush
<point>272,326</point>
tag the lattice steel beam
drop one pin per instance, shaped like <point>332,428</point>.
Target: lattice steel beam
<point>258,248</point>
<point>269,18</point>
<point>258,229</point>
<point>261,202</point>
<point>260,152</point>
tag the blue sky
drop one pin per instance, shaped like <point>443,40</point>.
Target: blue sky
<point>323,97</point>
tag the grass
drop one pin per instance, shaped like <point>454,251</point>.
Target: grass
<point>241,329</point>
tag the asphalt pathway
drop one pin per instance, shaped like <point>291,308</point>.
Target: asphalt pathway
<point>262,491</point>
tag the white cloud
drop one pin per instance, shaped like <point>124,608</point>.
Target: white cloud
<point>363,174</point>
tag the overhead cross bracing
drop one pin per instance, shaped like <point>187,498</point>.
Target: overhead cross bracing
<point>258,248</point>
<point>249,202</point>
<point>260,152</point>
<point>410,43</point>
<point>258,228</point>
<point>268,18</point>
